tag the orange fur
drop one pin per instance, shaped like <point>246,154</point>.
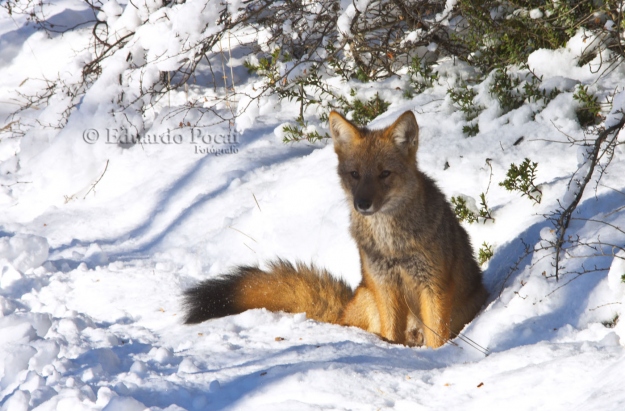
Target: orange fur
<point>420,281</point>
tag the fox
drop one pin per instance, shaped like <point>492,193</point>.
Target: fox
<point>420,281</point>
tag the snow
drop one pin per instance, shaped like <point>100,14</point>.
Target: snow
<point>98,241</point>
<point>536,14</point>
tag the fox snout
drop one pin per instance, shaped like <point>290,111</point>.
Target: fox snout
<point>365,196</point>
<point>363,206</point>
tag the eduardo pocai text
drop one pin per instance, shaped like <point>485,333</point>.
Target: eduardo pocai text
<point>201,140</point>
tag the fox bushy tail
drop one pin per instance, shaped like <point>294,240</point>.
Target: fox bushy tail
<point>283,287</point>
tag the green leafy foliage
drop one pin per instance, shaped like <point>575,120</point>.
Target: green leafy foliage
<point>267,66</point>
<point>296,89</point>
<point>464,213</point>
<point>484,211</point>
<point>588,112</point>
<point>463,96</point>
<point>471,130</point>
<point>363,111</point>
<point>521,178</point>
<point>505,89</point>
<point>361,75</point>
<point>298,132</point>
<point>485,253</point>
<point>490,35</point>
<point>533,92</point>
<point>512,92</point>
<point>421,76</point>
<point>499,34</point>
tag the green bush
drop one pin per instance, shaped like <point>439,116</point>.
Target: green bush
<point>588,112</point>
<point>533,92</point>
<point>463,96</point>
<point>363,111</point>
<point>463,213</point>
<point>421,76</point>
<point>297,132</point>
<point>485,253</point>
<point>521,178</point>
<point>505,88</point>
<point>499,34</point>
<point>471,130</point>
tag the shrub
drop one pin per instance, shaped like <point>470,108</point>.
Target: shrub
<point>464,213</point>
<point>497,34</point>
<point>463,96</point>
<point>363,111</point>
<point>522,179</point>
<point>299,132</point>
<point>485,253</point>
<point>588,111</point>
<point>421,76</point>
<point>505,88</point>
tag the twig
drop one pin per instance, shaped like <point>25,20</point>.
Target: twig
<point>257,205</point>
<point>571,139</point>
<point>562,224</point>
<point>17,182</point>
<point>490,177</point>
<point>603,305</point>
<point>578,275</point>
<point>97,181</point>
<point>239,231</point>
<point>461,336</point>
<point>8,125</point>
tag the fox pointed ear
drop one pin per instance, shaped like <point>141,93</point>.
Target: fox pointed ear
<point>343,132</point>
<point>405,131</point>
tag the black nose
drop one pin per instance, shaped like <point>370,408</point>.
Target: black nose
<point>363,205</point>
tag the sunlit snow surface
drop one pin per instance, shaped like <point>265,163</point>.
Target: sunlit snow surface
<point>90,281</point>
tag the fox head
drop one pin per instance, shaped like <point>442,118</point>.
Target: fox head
<point>377,167</point>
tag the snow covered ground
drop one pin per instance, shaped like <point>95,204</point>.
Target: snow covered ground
<point>91,275</point>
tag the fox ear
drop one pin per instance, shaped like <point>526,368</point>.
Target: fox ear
<point>343,132</point>
<point>405,131</point>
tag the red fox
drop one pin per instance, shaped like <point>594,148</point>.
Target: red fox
<point>420,281</point>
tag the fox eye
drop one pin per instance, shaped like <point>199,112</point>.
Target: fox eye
<point>385,174</point>
<point>355,175</point>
